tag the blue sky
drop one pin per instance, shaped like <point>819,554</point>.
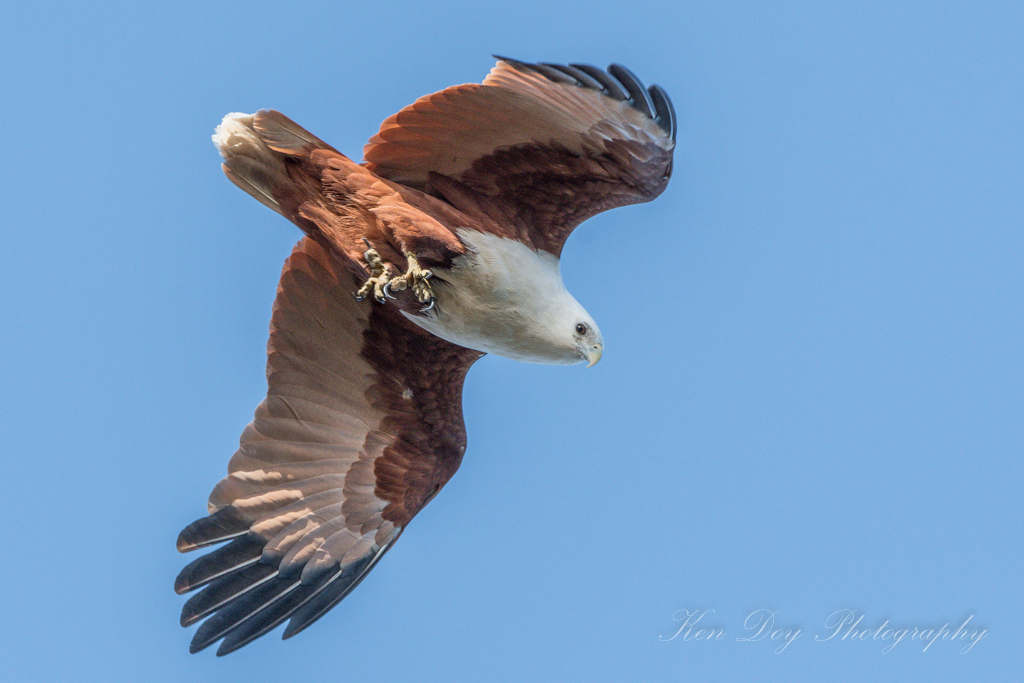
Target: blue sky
<point>810,399</point>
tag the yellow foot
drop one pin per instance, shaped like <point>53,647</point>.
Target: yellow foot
<point>416,278</point>
<point>380,276</point>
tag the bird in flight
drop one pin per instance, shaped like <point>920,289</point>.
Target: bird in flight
<point>443,245</point>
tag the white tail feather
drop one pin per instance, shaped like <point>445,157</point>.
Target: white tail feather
<point>248,161</point>
<point>235,135</point>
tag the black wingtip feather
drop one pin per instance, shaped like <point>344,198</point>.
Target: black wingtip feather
<point>617,82</point>
<point>637,95</point>
<point>609,86</point>
<point>583,79</point>
<point>522,66</point>
<point>334,592</point>
<point>240,553</point>
<point>270,616</point>
<point>222,525</point>
<point>544,70</point>
<point>552,74</point>
<point>239,611</point>
<point>250,602</point>
<point>222,591</point>
<point>666,117</point>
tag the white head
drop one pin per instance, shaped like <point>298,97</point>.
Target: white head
<point>507,299</point>
<point>561,333</point>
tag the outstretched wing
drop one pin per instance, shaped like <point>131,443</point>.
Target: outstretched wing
<point>549,145</point>
<point>362,425</point>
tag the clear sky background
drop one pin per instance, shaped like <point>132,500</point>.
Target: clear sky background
<point>810,399</point>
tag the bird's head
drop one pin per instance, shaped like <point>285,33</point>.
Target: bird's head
<point>588,340</point>
<point>507,298</point>
<point>570,334</point>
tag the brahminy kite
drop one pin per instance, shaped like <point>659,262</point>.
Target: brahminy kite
<point>453,227</point>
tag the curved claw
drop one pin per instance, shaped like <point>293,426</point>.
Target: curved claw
<point>387,291</point>
<point>358,298</point>
<point>430,305</point>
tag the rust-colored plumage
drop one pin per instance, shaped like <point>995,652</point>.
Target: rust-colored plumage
<point>362,424</point>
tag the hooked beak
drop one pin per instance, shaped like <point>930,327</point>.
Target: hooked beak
<point>593,354</point>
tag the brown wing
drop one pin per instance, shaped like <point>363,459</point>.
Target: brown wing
<point>362,425</point>
<point>548,145</point>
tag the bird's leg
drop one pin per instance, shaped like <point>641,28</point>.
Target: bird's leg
<point>380,275</point>
<point>416,278</point>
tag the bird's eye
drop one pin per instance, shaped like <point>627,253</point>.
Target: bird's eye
<point>581,328</point>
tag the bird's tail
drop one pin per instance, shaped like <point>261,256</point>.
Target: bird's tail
<point>257,149</point>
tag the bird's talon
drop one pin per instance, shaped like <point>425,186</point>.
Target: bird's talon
<point>430,306</point>
<point>414,278</point>
<point>379,276</point>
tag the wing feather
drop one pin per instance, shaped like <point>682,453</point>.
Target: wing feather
<point>214,596</point>
<point>545,145</point>
<point>304,514</point>
<point>334,591</point>
<point>236,555</point>
<point>220,526</point>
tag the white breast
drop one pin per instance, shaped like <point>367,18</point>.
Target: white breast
<point>505,298</point>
